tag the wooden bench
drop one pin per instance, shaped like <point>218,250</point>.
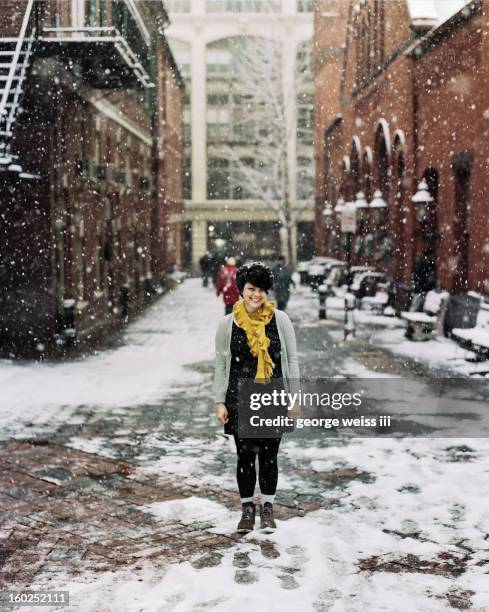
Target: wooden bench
<point>422,325</point>
<point>476,338</point>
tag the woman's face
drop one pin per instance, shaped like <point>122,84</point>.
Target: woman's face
<point>253,297</point>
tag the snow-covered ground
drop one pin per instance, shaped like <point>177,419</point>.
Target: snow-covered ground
<point>410,531</point>
<point>425,506</point>
<point>439,353</point>
<point>146,367</point>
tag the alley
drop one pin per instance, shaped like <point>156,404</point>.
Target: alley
<point>117,484</point>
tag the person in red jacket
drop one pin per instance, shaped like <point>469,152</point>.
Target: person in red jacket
<point>227,285</point>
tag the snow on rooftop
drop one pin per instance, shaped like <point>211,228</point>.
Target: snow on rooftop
<point>433,12</point>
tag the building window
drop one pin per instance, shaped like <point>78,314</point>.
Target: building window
<point>80,261</point>
<point>305,94</point>
<point>184,61</point>
<point>241,178</point>
<point>462,167</point>
<point>305,118</point>
<point>218,122</point>
<point>97,12</point>
<point>305,6</point>
<point>243,6</point>
<point>305,122</point>
<point>177,6</point>
<point>305,178</point>
<point>218,62</point>
<point>187,178</point>
<point>99,263</point>
<point>378,32</point>
<point>218,179</point>
<point>369,32</point>
<point>241,121</point>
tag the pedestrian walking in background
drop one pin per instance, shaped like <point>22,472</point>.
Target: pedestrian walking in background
<point>255,342</point>
<point>281,283</point>
<point>215,265</point>
<point>226,284</point>
<point>205,268</point>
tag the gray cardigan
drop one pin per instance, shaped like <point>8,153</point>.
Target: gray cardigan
<point>288,354</point>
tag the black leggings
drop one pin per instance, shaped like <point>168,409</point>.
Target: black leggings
<point>266,449</point>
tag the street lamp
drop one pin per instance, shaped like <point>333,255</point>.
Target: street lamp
<point>422,198</point>
<point>360,201</point>
<point>327,214</point>
<point>361,206</point>
<point>340,204</point>
<point>379,205</point>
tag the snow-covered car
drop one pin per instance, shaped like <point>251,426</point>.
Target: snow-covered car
<point>319,269</point>
<point>348,276</point>
<point>303,267</point>
<point>365,283</point>
<point>334,277</point>
<point>302,270</point>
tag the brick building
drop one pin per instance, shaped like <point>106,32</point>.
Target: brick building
<point>90,165</point>
<point>401,96</point>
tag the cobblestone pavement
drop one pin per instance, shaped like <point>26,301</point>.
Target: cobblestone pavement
<point>72,499</point>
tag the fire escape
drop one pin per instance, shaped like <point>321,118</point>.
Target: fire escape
<point>108,56</point>
<point>15,59</point>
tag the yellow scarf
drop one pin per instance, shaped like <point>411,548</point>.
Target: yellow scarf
<point>254,326</point>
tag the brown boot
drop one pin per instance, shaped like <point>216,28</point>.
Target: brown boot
<point>247,522</point>
<point>266,516</point>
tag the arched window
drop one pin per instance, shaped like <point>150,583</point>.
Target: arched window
<point>399,206</point>
<point>382,159</point>
<point>345,177</point>
<point>367,173</point>
<point>431,177</point>
<point>355,156</point>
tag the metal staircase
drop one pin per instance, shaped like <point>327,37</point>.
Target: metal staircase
<point>15,56</point>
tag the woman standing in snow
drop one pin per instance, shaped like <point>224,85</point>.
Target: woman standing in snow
<point>256,342</point>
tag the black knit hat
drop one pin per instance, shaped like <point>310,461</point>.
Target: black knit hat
<point>257,274</point>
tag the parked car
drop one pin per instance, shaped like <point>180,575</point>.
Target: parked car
<point>334,277</point>
<point>365,283</point>
<point>302,269</point>
<point>346,277</point>
<point>318,270</point>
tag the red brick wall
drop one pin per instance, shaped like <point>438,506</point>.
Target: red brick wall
<point>105,228</point>
<point>417,99</point>
<point>11,15</point>
<point>330,21</point>
<point>170,164</point>
<point>453,91</point>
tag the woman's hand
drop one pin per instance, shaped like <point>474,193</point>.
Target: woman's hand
<point>222,413</point>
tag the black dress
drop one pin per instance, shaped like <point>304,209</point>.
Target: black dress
<point>243,366</point>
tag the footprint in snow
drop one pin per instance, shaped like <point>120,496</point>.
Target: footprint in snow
<point>268,550</point>
<point>288,582</point>
<point>326,600</point>
<point>244,576</point>
<point>241,559</point>
<point>294,569</point>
